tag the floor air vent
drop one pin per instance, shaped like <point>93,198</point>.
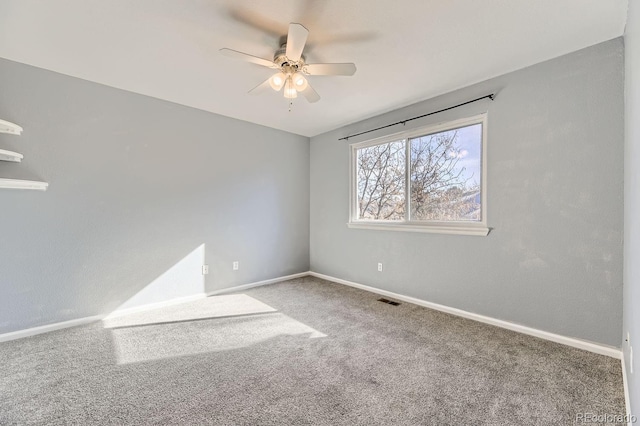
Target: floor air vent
<point>387,301</point>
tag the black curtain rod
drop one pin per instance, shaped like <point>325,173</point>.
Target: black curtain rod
<point>491,96</point>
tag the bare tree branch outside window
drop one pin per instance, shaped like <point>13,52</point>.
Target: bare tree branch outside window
<point>381,174</point>
<point>442,186</point>
<point>444,174</point>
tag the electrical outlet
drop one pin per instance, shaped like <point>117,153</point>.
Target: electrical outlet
<point>379,266</point>
<point>236,265</point>
<point>205,269</point>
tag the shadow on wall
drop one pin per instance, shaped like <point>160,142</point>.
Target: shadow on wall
<point>183,280</point>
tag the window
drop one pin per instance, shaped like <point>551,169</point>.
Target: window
<point>430,179</point>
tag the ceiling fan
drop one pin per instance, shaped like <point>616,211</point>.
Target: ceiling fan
<point>291,67</point>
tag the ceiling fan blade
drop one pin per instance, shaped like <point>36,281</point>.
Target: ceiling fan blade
<point>310,94</point>
<point>261,88</point>
<point>296,39</point>
<point>249,58</point>
<point>330,69</point>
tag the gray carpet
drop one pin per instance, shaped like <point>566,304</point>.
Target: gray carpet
<point>318,354</point>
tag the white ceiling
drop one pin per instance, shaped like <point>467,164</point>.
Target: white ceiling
<point>405,50</point>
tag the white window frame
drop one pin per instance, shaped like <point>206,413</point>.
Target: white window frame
<point>478,228</point>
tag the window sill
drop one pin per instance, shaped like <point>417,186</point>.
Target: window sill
<point>481,231</point>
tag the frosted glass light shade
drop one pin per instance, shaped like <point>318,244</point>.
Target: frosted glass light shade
<point>290,91</point>
<point>299,82</point>
<point>277,81</point>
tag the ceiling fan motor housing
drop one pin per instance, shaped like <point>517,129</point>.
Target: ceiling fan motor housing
<point>281,60</point>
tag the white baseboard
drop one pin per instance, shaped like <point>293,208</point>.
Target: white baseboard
<point>81,321</point>
<point>627,400</point>
<point>180,300</point>
<point>569,341</point>
<point>47,328</point>
<point>259,283</point>
<point>151,306</point>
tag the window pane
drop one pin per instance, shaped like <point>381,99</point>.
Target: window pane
<point>381,175</point>
<point>445,175</point>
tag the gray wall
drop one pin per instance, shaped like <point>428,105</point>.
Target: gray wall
<point>136,185</point>
<point>553,260</point>
<point>632,202</point>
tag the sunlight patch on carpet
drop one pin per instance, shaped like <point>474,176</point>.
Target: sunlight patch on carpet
<point>213,324</point>
<point>208,307</point>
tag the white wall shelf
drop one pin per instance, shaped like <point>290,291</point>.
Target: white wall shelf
<point>7,127</point>
<point>10,156</point>
<point>6,183</point>
<point>23,184</point>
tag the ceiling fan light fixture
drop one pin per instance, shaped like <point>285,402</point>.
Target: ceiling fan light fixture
<point>291,67</point>
<point>277,81</point>
<point>299,82</point>
<point>290,91</point>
